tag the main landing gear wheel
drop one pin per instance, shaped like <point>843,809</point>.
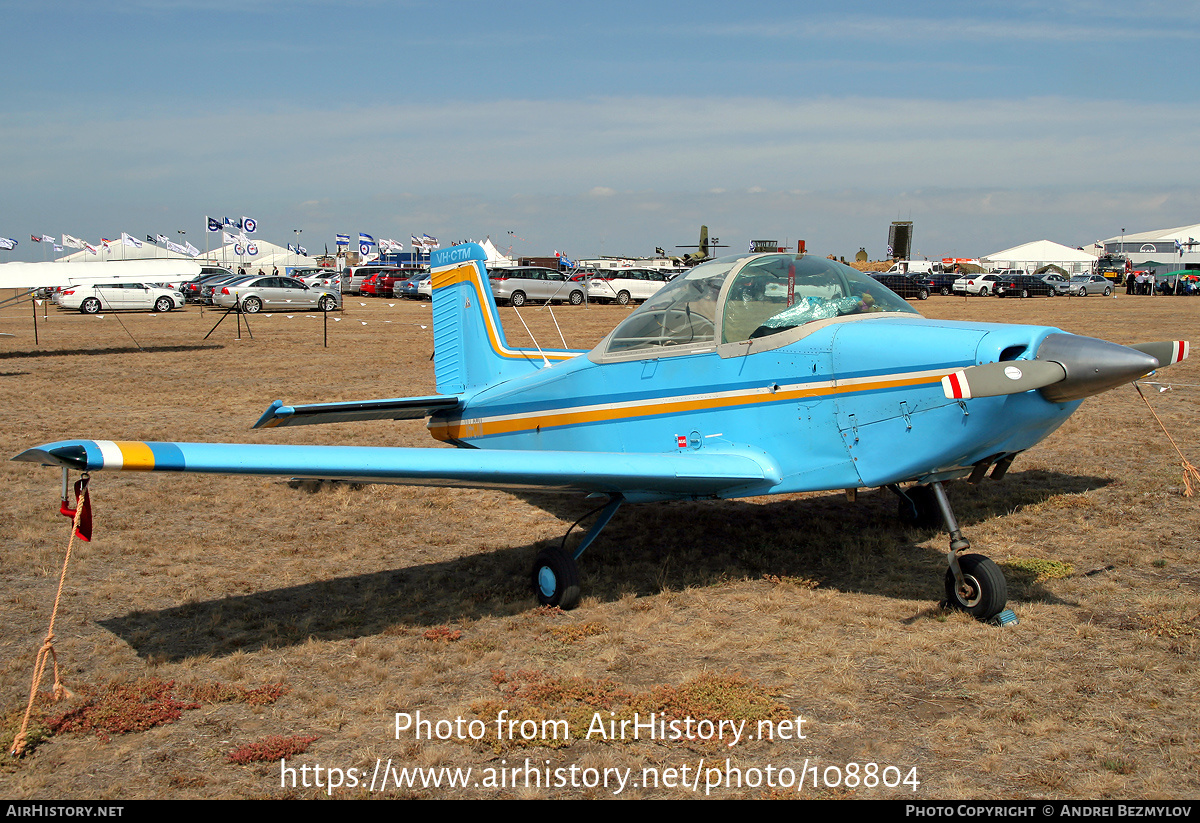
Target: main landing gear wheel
<point>556,579</point>
<point>983,592</point>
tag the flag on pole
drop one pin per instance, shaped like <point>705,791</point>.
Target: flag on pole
<point>46,238</point>
<point>162,238</point>
<point>365,241</point>
<point>130,241</point>
<point>72,242</point>
<point>430,242</point>
<point>213,224</point>
<point>35,238</point>
<point>91,249</point>
<point>7,243</point>
<point>175,247</point>
<point>190,249</point>
<point>342,240</point>
<point>249,224</point>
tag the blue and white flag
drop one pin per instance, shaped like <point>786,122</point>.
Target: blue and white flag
<point>429,242</point>
<point>7,243</point>
<point>342,240</point>
<point>1179,246</point>
<point>130,241</point>
<point>365,241</point>
<point>162,238</point>
<point>213,223</point>
<point>249,224</point>
<point>302,250</point>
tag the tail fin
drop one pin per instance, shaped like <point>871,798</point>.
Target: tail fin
<point>470,350</point>
<point>703,247</point>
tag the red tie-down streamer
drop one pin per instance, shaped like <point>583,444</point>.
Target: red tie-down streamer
<point>83,524</point>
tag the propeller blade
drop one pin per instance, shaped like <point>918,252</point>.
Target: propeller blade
<point>1166,352</point>
<point>996,379</point>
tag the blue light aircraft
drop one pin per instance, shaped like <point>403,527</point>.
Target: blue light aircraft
<point>748,375</point>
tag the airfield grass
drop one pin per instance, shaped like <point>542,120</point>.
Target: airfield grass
<point>347,604</point>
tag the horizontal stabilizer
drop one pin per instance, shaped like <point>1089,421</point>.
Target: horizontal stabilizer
<point>997,379</point>
<point>1166,352</point>
<point>687,474</point>
<point>400,408</point>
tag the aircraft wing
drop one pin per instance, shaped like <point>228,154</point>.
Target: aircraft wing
<point>30,275</point>
<point>686,474</point>
<point>399,408</point>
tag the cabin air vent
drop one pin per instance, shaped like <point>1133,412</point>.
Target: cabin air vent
<point>1012,352</point>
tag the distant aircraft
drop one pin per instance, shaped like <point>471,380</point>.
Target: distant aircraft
<point>754,374</point>
<point>702,252</point>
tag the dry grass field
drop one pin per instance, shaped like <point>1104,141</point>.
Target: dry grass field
<point>217,624</point>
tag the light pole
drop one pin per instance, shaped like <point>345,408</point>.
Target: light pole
<point>296,251</point>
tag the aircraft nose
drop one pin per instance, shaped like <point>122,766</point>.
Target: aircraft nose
<point>1092,365</point>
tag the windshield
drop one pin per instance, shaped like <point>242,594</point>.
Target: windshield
<point>751,296</point>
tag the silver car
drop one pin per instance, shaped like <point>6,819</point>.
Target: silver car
<point>279,293</point>
<point>520,284</point>
<point>1084,284</point>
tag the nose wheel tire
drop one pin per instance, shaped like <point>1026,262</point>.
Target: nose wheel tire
<point>984,591</point>
<point>556,579</point>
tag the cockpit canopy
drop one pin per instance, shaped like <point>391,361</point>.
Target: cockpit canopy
<point>747,297</point>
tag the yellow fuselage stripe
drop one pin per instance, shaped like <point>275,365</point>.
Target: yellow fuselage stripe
<point>480,427</point>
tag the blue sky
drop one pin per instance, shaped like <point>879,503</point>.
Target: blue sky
<point>602,129</point>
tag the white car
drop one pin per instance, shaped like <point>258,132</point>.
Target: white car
<point>981,284</point>
<point>93,299</point>
<point>623,285</point>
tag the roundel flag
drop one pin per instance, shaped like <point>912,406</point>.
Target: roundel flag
<point>238,249</point>
<point>252,249</point>
<point>249,224</point>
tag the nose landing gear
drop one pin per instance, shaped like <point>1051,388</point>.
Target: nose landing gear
<point>974,583</point>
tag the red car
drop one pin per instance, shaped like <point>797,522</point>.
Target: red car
<point>380,283</point>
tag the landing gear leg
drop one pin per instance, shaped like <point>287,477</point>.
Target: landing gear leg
<point>555,572</point>
<point>974,583</point>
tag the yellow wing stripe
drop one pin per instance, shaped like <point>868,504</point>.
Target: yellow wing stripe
<point>135,455</point>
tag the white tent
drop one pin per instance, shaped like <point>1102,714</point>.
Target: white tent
<point>266,255</point>
<point>1035,255</point>
<point>494,257</point>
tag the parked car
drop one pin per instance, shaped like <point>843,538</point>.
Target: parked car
<point>381,283</point>
<point>191,289</point>
<point>316,276</point>
<point>1057,282</point>
<point>623,285</point>
<point>907,285</point>
<point>353,276</point>
<point>100,297</point>
<point>1023,285</point>
<point>1084,284</point>
<point>286,293</point>
<point>980,284</point>
<point>519,284</point>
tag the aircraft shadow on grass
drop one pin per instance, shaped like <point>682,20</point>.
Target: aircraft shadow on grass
<point>826,541</point>
<point>111,350</point>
